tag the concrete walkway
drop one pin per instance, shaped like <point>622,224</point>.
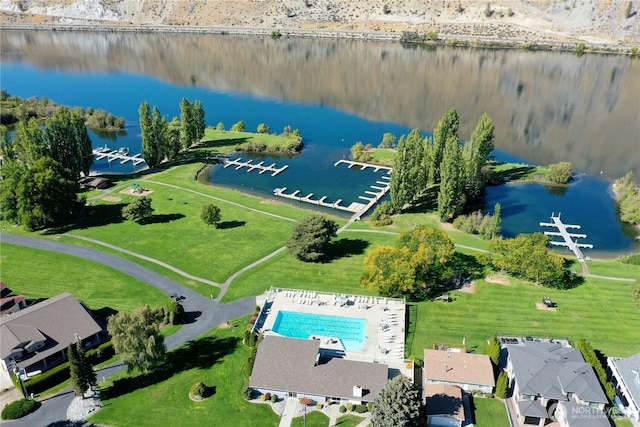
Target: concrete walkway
<point>289,412</point>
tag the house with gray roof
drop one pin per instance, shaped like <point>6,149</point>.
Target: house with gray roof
<point>625,375</point>
<point>36,338</point>
<point>289,367</point>
<point>543,374</point>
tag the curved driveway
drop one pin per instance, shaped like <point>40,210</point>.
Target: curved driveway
<point>204,313</point>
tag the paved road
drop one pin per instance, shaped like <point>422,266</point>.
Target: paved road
<point>205,313</point>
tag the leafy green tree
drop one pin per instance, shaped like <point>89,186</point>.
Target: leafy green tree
<point>419,262</point>
<point>136,338</point>
<point>476,153</point>
<point>174,143</point>
<point>560,173</point>
<point>68,141</point>
<point>497,221</point>
<point>360,153</point>
<point>238,127</point>
<point>528,256</point>
<point>311,238</point>
<point>45,194</point>
<point>451,196</point>
<point>11,173</point>
<point>155,134</point>
<point>199,119</point>
<point>7,146</point>
<point>139,210</point>
<point>447,128</point>
<point>263,128</point>
<point>30,142</point>
<point>494,350</point>
<point>417,174</point>
<point>211,214</point>
<point>189,129</point>
<point>397,405</point>
<point>400,184</point>
<point>220,126</point>
<point>82,374</point>
<point>388,141</point>
<point>502,384</point>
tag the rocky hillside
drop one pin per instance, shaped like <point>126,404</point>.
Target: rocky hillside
<point>592,21</point>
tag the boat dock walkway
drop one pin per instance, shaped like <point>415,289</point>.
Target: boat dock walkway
<point>363,166</point>
<point>377,192</point>
<point>567,236</point>
<point>112,155</point>
<point>239,164</point>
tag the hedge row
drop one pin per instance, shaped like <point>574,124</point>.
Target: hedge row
<point>19,409</point>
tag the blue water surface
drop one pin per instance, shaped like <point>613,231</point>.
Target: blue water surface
<point>349,330</point>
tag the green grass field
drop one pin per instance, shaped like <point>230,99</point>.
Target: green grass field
<point>314,419</point>
<point>623,422</point>
<point>43,274</point>
<point>340,275</point>
<point>490,413</point>
<point>348,420</point>
<point>162,398</point>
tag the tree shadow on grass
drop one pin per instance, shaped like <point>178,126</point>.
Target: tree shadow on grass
<point>345,248</point>
<point>162,218</point>
<point>103,313</point>
<point>467,265</point>
<point>497,178</point>
<point>230,224</point>
<point>425,202</point>
<point>200,354</point>
<point>95,216</point>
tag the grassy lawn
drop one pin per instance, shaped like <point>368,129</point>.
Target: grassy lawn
<point>203,289</point>
<point>348,420</point>
<point>623,422</point>
<point>162,398</point>
<point>613,268</point>
<point>592,311</point>
<point>340,275</point>
<point>383,156</point>
<point>314,419</point>
<point>43,274</point>
<point>490,413</point>
<point>177,235</point>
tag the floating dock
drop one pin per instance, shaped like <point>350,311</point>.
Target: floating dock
<point>377,192</point>
<point>113,155</point>
<point>567,236</point>
<point>363,166</point>
<point>239,164</point>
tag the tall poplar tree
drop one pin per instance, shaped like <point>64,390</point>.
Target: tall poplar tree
<point>198,112</point>
<point>476,153</point>
<point>155,134</point>
<point>447,127</point>
<point>189,134</point>
<point>400,194</point>
<point>451,196</point>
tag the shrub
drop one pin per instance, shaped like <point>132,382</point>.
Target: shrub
<point>199,390</point>
<point>349,406</point>
<point>19,409</point>
<point>361,409</point>
<point>305,401</point>
<point>247,392</point>
<point>274,398</point>
<point>275,34</point>
<point>369,406</point>
<point>342,409</point>
<point>267,396</point>
<point>52,377</point>
<point>263,398</point>
<point>319,405</point>
<point>382,214</point>
<point>560,173</point>
<point>431,36</point>
<point>220,126</point>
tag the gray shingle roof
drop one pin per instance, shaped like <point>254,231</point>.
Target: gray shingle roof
<point>56,320</point>
<point>543,367</point>
<point>629,369</point>
<point>581,416</point>
<point>532,408</point>
<point>289,364</point>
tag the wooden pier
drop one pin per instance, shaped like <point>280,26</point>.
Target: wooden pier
<point>113,155</point>
<point>377,192</point>
<point>239,164</point>
<point>364,166</point>
<point>567,236</point>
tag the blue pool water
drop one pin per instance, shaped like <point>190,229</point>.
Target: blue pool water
<point>349,330</point>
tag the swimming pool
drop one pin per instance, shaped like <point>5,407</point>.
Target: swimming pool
<point>349,330</point>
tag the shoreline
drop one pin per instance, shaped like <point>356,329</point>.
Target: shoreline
<point>443,39</point>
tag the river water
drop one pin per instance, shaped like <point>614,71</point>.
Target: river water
<point>546,106</point>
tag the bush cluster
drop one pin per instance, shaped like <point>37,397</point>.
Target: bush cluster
<point>477,223</point>
<point>19,409</point>
<point>359,409</point>
<point>381,215</point>
<point>198,390</point>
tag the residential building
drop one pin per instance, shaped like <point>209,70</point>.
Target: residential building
<point>36,338</point>
<point>290,367</point>
<point>625,375</point>
<point>546,373</point>
<point>445,407</point>
<point>468,371</point>
<point>10,303</point>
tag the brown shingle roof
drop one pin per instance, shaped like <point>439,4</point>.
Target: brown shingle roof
<point>57,319</point>
<point>444,399</point>
<point>463,368</point>
<point>288,364</point>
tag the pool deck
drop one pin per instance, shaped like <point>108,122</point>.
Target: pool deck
<point>385,319</point>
